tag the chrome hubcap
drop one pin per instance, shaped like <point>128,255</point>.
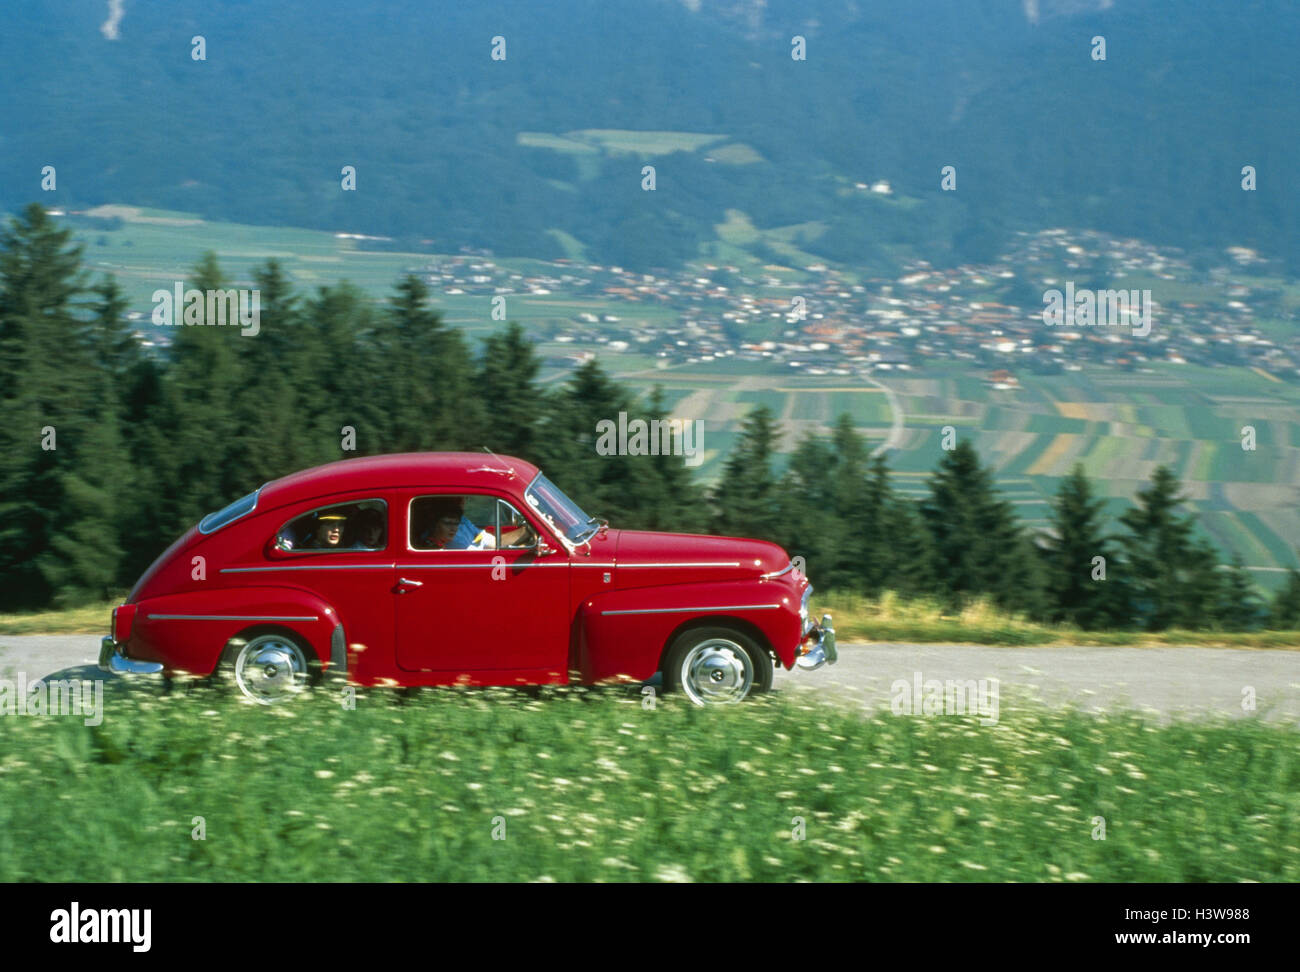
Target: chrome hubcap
<point>717,672</point>
<point>270,668</point>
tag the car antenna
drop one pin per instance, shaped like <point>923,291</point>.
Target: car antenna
<point>509,468</point>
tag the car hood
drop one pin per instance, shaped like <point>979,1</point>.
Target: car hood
<point>648,557</point>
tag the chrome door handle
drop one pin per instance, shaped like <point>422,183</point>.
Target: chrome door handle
<point>403,583</point>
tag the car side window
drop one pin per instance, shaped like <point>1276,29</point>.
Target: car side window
<point>358,525</point>
<point>447,521</point>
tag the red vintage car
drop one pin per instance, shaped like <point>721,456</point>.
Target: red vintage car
<point>458,568</point>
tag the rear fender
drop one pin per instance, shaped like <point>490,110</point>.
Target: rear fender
<point>187,632</point>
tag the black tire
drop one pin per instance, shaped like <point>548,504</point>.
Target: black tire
<point>717,666</point>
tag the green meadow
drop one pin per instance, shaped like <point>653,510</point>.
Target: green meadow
<point>591,785</point>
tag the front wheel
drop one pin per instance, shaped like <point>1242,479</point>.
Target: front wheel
<point>717,666</point>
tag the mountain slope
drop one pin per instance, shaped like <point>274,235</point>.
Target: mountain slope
<point>454,147</point>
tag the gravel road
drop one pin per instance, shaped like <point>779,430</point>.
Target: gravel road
<point>1168,680</point>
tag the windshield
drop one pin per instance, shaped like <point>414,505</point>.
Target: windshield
<point>559,511</point>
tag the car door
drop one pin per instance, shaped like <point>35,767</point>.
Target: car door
<point>496,610</point>
<point>352,574</point>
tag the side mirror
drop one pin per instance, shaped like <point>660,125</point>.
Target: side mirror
<point>543,549</point>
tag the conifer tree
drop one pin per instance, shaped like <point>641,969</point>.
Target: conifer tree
<point>906,551</point>
<point>857,504</point>
<point>126,384</point>
<point>200,465</point>
<point>1168,572</point>
<point>807,511</point>
<point>839,510</point>
<point>110,340</point>
<point>667,496</point>
<point>507,383</point>
<point>1284,613</point>
<point>1208,587</point>
<point>342,375</point>
<point>61,460</point>
<point>1080,590</point>
<point>746,499</point>
<point>979,548</point>
<point>144,530</point>
<point>1240,607</point>
<point>879,553</point>
<point>428,396</point>
<point>599,483</point>
<point>273,437</point>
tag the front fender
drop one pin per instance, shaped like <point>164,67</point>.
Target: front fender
<point>187,632</point>
<point>624,633</point>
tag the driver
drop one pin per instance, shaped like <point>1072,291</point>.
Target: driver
<point>450,529</point>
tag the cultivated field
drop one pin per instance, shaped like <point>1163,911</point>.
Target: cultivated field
<point>1119,426</point>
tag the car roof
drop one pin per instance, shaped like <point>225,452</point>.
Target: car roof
<point>456,469</point>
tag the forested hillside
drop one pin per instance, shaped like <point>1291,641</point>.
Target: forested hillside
<point>457,149</point>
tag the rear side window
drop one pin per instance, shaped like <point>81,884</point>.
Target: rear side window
<point>358,525</point>
<point>240,507</point>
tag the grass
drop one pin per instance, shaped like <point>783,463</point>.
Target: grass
<point>88,619</point>
<point>736,153</point>
<point>592,786</point>
<point>890,618</point>
<point>614,141</point>
<point>557,142</point>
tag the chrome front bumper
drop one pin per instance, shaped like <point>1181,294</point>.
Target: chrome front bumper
<point>112,660</point>
<point>818,646</point>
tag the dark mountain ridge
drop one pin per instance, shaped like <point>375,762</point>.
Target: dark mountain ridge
<point>1149,142</point>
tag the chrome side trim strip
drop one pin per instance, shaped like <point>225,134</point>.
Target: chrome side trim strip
<point>687,610</point>
<point>728,563</point>
<point>488,565</point>
<point>695,563</point>
<point>228,617</point>
<point>254,570</point>
<point>777,573</point>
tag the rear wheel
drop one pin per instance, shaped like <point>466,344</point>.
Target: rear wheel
<point>268,668</point>
<point>717,666</point>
